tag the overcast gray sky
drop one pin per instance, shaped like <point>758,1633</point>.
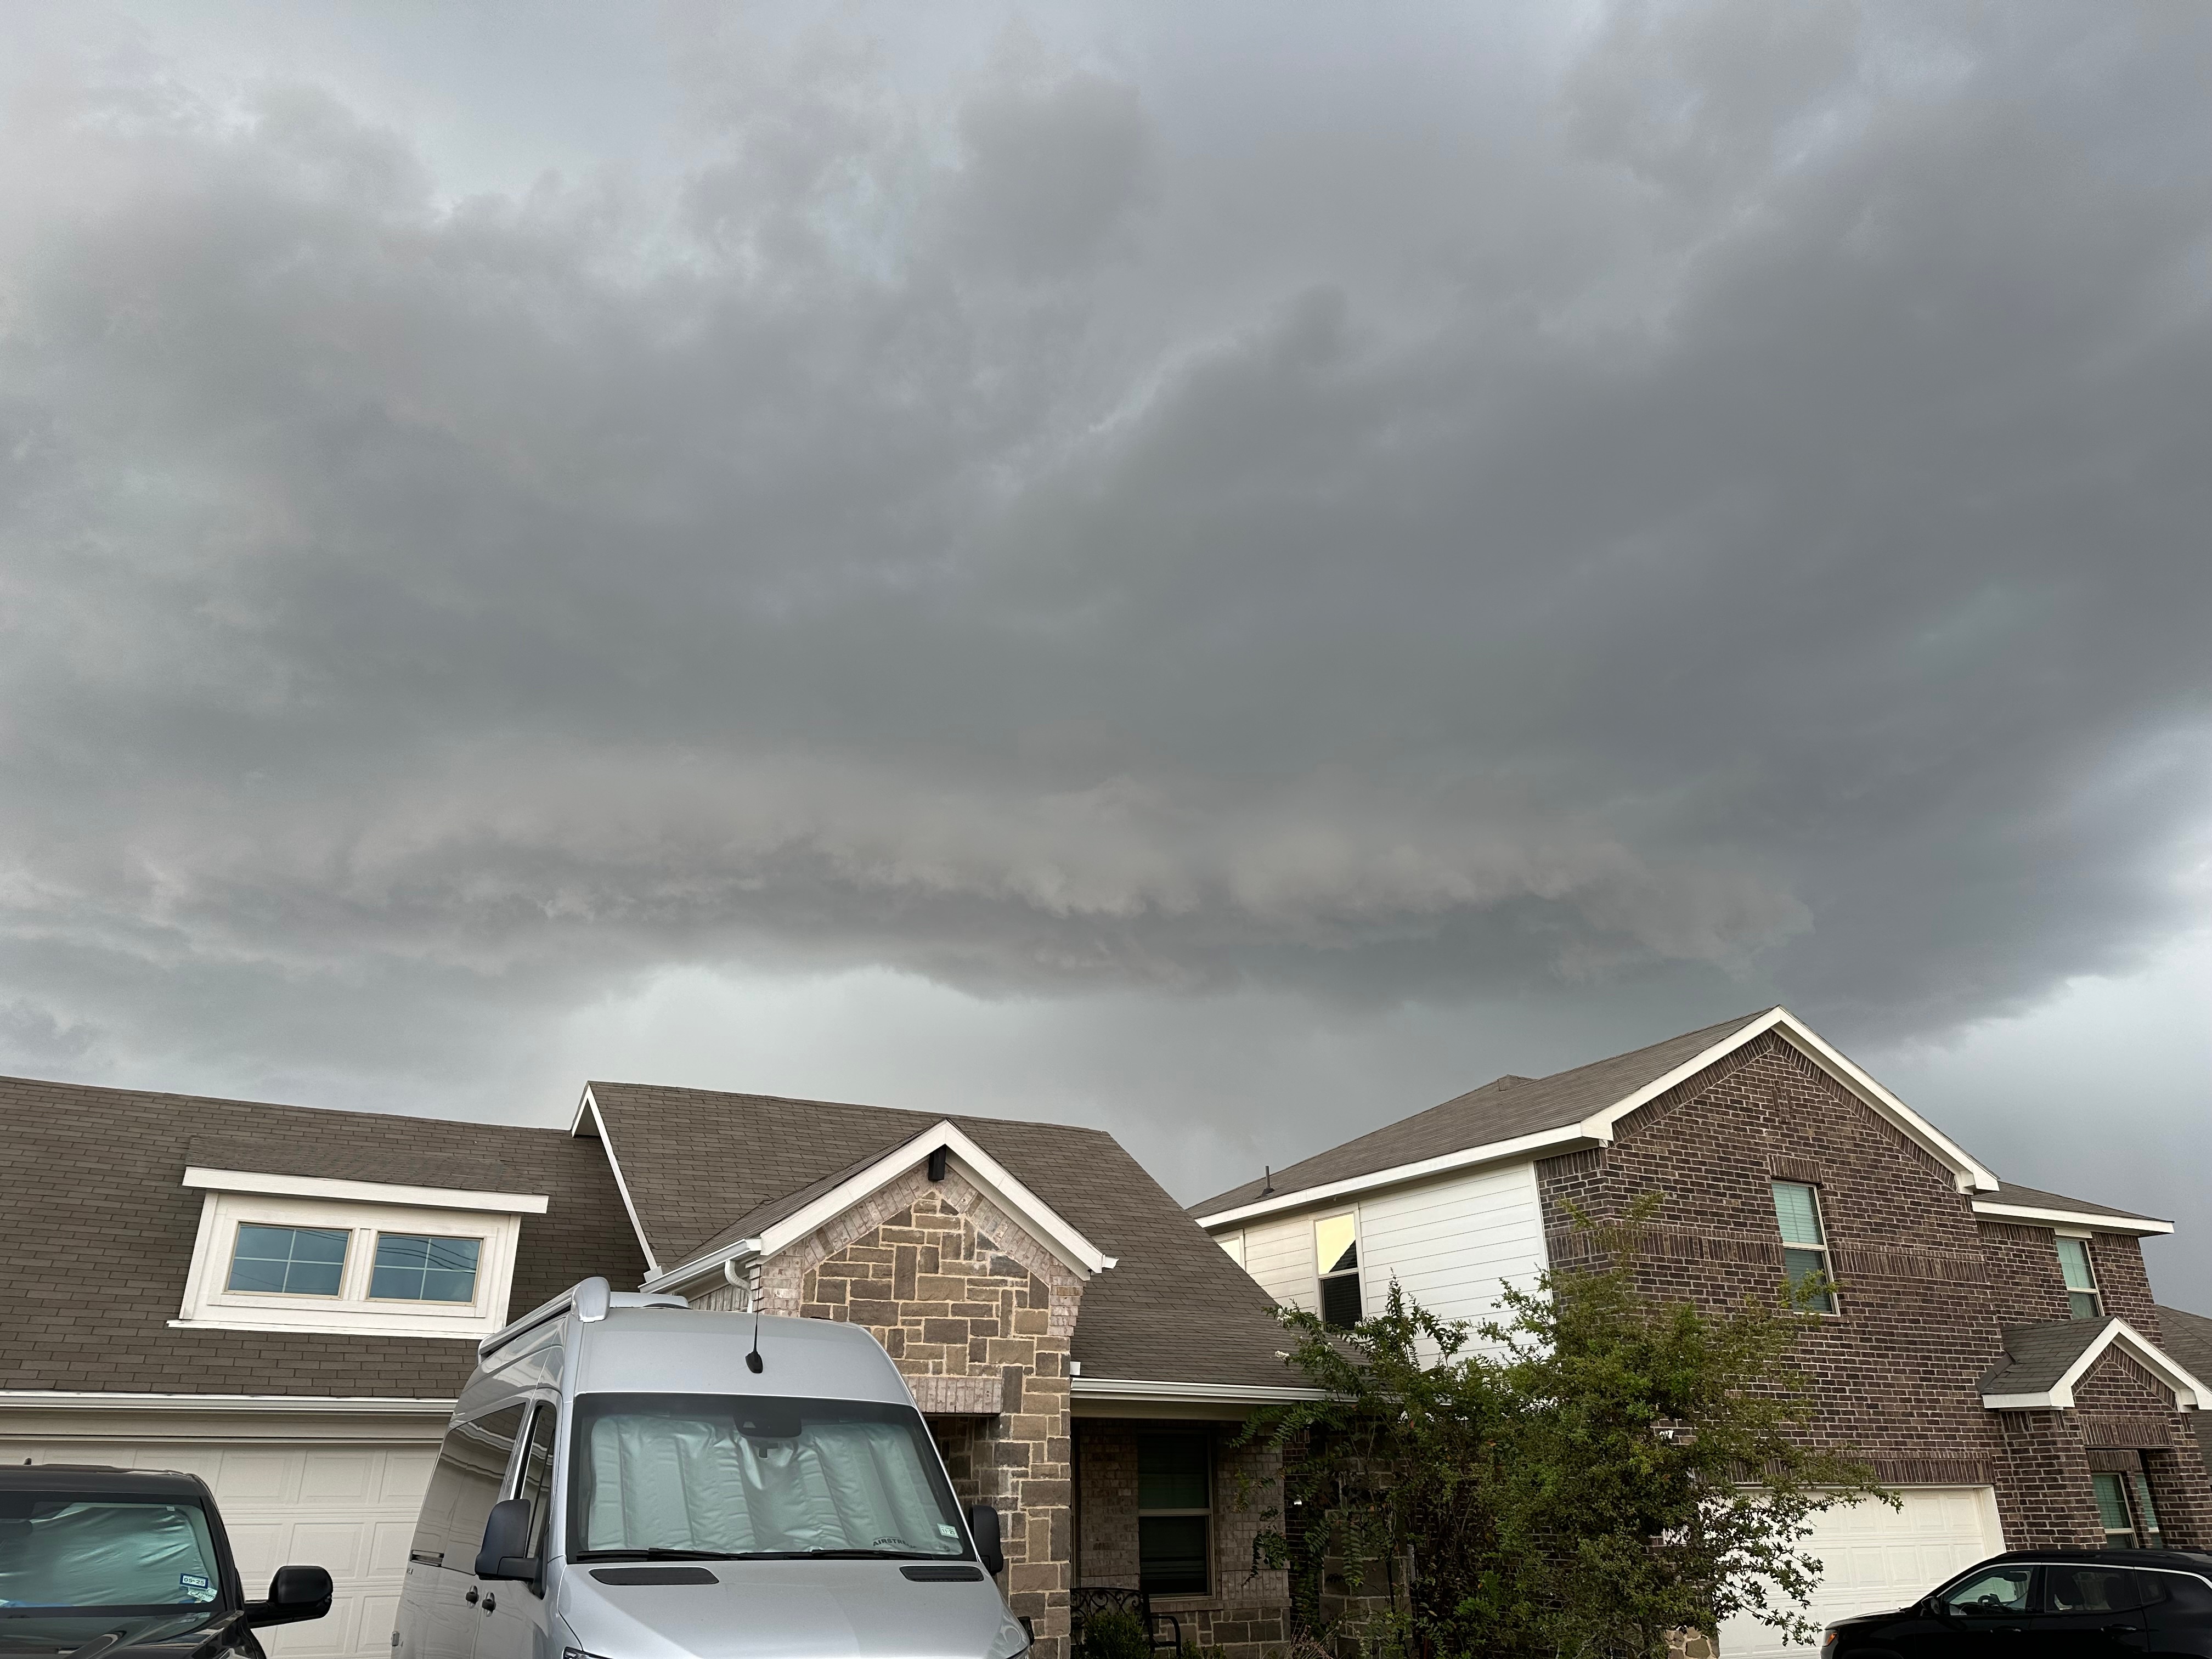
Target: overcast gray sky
<point>1226,572</point>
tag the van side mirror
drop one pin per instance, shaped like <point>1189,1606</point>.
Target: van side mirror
<point>506,1542</point>
<point>983,1524</point>
<point>294,1594</point>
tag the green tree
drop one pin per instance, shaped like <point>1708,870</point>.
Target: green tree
<point>1607,1470</point>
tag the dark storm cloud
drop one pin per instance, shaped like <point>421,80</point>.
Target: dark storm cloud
<point>1718,494</point>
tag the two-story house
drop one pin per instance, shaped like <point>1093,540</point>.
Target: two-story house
<point>1994,1350</point>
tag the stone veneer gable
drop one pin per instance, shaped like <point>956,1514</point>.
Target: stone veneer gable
<point>978,1315</point>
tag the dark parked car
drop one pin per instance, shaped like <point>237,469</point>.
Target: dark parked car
<point>2049,1604</point>
<point>92,1560</point>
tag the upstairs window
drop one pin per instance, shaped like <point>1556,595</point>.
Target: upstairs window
<point>288,1261</point>
<point>1804,1245</point>
<point>1336,1248</point>
<point>413,1267</point>
<point>2082,1301</point>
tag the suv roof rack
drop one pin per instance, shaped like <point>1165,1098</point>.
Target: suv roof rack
<point>588,1299</point>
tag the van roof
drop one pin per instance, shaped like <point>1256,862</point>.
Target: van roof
<point>686,1351</point>
<point>101,1479</point>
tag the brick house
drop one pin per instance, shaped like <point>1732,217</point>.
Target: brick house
<point>1994,1349</point>
<point>287,1301</point>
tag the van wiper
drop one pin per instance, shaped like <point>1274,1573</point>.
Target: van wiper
<point>841,1555</point>
<point>658,1553</point>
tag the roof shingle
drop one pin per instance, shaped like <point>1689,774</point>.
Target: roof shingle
<point>1505,1109</point>
<point>704,1168</point>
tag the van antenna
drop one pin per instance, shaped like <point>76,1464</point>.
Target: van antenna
<point>753,1362</point>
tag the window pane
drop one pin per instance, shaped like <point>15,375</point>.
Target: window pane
<point>2083,1304</point>
<point>2112,1509</point>
<point>2144,1512</point>
<point>1996,1593</point>
<point>411,1268</point>
<point>538,1473</point>
<point>288,1261</point>
<point>1336,1243</point>
<point>2074,1262</point>
<point>1798,1266</point>
<point>1171,1471</point>
<point>1340,1301</point>
<point>2088,1589</point>
<point>1798,1214</point>
<point>1171,1554</point>
<point>67,1549</point>
<point>746,1473</point>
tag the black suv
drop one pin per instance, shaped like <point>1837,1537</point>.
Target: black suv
<point>96,1559</point>
<point>2049,1604</point>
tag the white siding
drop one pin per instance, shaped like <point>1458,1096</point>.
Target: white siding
<point>1280,1254</point>
<point>1451,1243</point>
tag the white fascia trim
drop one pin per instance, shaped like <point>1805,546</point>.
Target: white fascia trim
<point>1968,1171</point>
<point>2136,1226</point>
<point>700,1266</point>
<point>363,1191</point>
<point>2189,1394</point>
<point>588,1104</point>
<point>1234,1394</point>
<point>330,1328</point>
<point>313,1405</point>
<point>1564,1139</point>
<point>994,1178</point>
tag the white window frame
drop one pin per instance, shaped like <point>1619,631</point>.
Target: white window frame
<point>1233,1245</point>
<point>1826,1247</point>
<point>2095,1290</point>
<point>1357,1273</point>
<point>209,1304</point>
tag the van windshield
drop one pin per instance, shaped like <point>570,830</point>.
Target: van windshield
<point>729,1476</point>
<point>65,1550</point>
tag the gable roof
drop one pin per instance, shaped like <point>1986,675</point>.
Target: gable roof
<point>705,1170</point>
<point>2044,1361</point>
<point>109,1164</point>
<point>2012,1202</point>
<point>1517,1116</point>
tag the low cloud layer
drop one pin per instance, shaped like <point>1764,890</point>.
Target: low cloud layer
<point>1707,501</point>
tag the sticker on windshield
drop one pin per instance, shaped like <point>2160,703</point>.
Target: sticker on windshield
<point>196,1587</point>
<point>943,1531</point>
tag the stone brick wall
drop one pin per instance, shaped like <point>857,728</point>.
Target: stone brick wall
<point>1247,1613</point>
<point>1925,1288</point>
<point>978,1315</point>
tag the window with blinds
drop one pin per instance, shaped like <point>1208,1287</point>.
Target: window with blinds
<point>2082,1301</point>
<point>1336,1250</point>
<point>1804,1245</point>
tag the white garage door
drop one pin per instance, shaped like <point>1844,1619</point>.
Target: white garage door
<point>1874,1558</point>
<point>346,1505</point>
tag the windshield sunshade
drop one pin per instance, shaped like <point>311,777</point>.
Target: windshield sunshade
<point>61,1550</point>
<point>723,1475</point>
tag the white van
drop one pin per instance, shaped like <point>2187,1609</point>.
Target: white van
<point>627,1479</point>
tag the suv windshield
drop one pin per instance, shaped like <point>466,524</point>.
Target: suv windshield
<point>61,1551</point>
<point>729,1475</point>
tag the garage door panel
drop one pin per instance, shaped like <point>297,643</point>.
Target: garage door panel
<point>1875,1559</point>
<point>348,1506</point>
<point>387,1548</point>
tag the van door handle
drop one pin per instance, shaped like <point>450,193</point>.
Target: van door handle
<point>2121,1629</point>
<point>490,1601</point>
<point>470,1598</point>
